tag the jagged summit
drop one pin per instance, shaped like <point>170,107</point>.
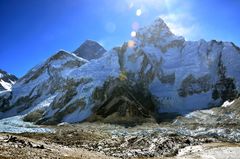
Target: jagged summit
<point>90,50</point>
<point>159,35</point>
<point>158,27</point>
<point>6,80</point>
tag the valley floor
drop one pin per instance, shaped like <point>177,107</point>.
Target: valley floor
<point>105,141</point>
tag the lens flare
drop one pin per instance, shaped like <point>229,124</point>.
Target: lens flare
<point>131,5</point>
<point>135,26</point>
<point>139,12</point>
<point>131,43</point>
<point>133,34</point>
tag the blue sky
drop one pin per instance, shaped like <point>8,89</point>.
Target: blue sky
<point>33,30</point>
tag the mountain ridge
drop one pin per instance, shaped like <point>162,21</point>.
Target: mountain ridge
<point>6,80</point>
<point>180,76</point>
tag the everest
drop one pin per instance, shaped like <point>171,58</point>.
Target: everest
<point>158,73</point>
<point>90,50</point>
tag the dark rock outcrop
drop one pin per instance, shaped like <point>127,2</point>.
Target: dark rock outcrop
<point>123,103</point>
<point>90,50</point>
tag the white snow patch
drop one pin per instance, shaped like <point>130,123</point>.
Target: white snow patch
<point>192,149</point>
<point>227,103</point>
<point>6,85</point>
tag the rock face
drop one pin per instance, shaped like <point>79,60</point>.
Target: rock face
<point>174,75</point>
<point>123,103</point>
<point>90,50</point>
<point>6,80</point>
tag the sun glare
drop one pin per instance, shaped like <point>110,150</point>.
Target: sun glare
<point>139,12</point>
<point>131,43</point>
<point>133,34</point>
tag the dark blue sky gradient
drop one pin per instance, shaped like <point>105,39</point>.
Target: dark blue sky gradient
<point>33,30</point>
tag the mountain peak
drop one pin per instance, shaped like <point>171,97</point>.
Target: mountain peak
<point>158,27</point>
<point>90,50</point>
<point>159,22</point>
<point>89,41</point>
<point>158,34</point>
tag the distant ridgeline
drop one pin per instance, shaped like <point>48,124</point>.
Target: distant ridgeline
<point>6,81</point>
<point>156,72</point>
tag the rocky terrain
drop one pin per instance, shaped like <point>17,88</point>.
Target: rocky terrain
<point>12,147</point>
<point>92,140</point>
<point>197,135</point>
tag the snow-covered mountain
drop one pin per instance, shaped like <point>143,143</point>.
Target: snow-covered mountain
<point>157,67</point>
<point>39,87</point>
<point>90,50</point>
<point>6,81</point>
